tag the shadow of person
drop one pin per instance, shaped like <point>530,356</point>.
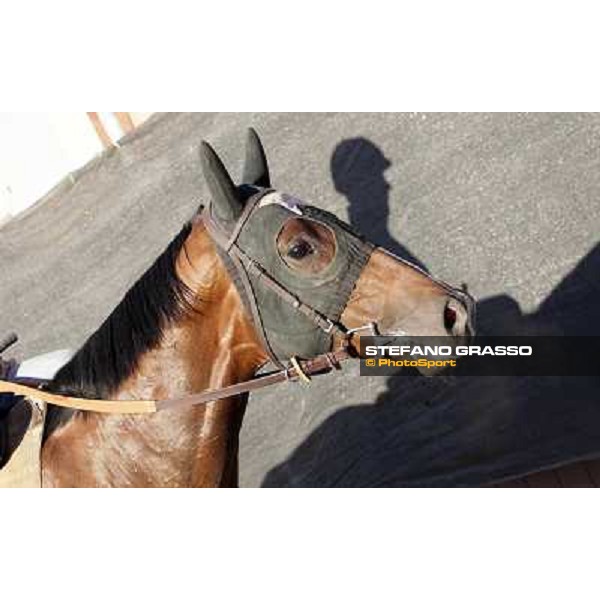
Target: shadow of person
<point>358,169</point>
<point>463,431</point>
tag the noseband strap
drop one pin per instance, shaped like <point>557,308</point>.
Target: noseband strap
<point>324,323</point>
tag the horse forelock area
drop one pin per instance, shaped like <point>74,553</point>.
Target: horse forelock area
<point>135,326</point>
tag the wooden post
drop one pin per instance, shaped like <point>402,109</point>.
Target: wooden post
<point>100,130</point>
<point>125,121</point>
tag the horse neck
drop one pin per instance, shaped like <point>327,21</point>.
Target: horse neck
<point>212,346</point>
<point>234,351</point>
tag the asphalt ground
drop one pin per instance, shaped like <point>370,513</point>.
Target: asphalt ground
<point>509,203</point>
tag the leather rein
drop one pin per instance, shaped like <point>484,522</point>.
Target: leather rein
<point>300,371</point>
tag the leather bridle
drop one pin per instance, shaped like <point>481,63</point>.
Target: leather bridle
<point>241,267</point>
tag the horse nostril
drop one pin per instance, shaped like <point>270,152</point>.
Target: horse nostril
<point>449,317</point>
<point>456,317</point>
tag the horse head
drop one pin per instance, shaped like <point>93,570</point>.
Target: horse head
<point>306,278</point>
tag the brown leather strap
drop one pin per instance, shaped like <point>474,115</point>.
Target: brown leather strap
<point>94,405</point>
<point>248,210</point>
<point>244,278</point>
<point>319,365</point>
<point>224,242</point>
<point>321,320</point>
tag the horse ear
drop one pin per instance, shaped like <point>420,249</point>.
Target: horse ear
<point>224,196</point>
<point>256,170</point>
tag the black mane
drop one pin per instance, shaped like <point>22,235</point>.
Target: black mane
<point>136,325</point>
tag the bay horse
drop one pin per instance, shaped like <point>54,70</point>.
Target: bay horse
<point>255,276</point>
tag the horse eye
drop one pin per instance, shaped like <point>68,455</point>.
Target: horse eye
<point>300,250</point>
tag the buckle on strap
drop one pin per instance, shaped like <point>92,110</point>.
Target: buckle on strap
<point>328,328</point>
<point>372,327</point>
<point>301,374</point>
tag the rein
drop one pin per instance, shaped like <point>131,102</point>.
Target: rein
<point>299,371</point>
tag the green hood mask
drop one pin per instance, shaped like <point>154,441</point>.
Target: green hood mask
<point>296,314</point>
